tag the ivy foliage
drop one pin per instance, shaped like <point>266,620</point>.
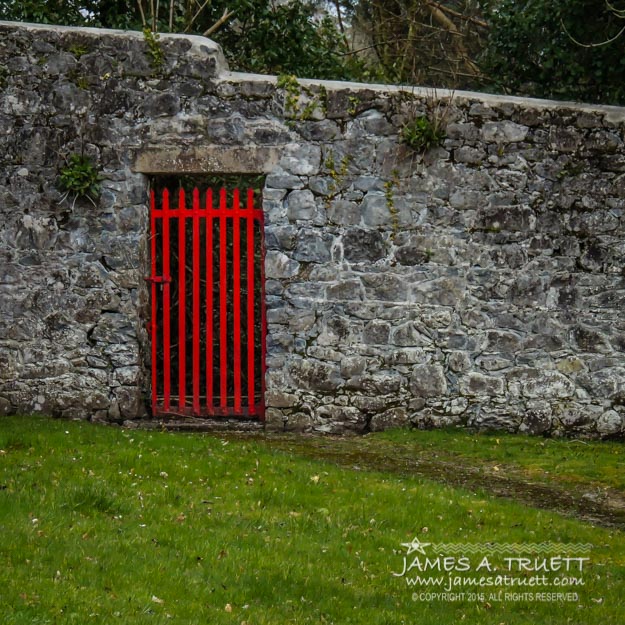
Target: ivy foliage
<point>548,49</point>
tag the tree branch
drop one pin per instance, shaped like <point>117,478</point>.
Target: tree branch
<point>140,5</point>
<point>196,16</point>
<point>466,18</point>
<point>442,19</point>
<point>592,45</point>
<point>620,13</point>
<point>219,23</point>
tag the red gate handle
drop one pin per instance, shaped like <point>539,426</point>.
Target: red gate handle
<point>157,279</point>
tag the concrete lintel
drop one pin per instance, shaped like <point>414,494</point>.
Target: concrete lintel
<point>213,159</point>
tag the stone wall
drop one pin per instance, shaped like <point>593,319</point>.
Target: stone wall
<point>480,283</point>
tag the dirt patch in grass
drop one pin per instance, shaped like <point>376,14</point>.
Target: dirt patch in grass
<point>591,503</point>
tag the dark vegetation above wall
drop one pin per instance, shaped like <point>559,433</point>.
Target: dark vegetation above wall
<point>571,49</point>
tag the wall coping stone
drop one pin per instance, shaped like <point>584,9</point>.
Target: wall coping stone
<point>203,48</point>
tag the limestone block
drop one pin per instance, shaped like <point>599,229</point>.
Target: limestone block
<point>428,381</point>
<point>315,375</point>
<point>345,290</point>
<point>606,383</point>
<point>383,383</point>
<point>279,179</point>
<point>410,334</point>
<point>334,419</point>
<point>504,132</point>
<point>536,384</point>
<point>280,399</point>
<point>386,287</point>
<point>300,205</point>
<point>610,422</point>
<point>279,266</point>
<point>352,366</point>
<point>313,246</point>
<point>537,418</point>
<point>469,155</point>
<point>343,213</point>
<point>477,384</point>
<point>375,210</point>
<point>363,245</point>
<point>574,417</point>
<point>376,333</point>
<point>396,417</point>
<point>280,237</point>
<point>301,159</point>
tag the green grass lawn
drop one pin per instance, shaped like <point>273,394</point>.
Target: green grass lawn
<point>103,525</point>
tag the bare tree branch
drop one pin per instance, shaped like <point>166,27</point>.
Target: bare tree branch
<point>442,19</point>
<point>620,13</point>
<point>190,24</point>
<point>140,5</point>
<point>592,45</point>
<point>466,18</point>
<point>219,23</point>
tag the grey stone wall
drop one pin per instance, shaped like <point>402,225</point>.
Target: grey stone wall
<point>481,283</point>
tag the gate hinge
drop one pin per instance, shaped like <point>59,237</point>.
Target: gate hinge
<point>157,279</point>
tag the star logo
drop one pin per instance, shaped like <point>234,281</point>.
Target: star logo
<point>415,545</point>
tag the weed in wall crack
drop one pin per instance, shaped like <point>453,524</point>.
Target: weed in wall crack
<point>78,51</point>
<point>80,178</point>
<point>157,58</point>
<point>293,93</point>
<point>422,133</point>
<point>354,102</point>
<point>389,194</point>
<point>337,175</point>
<point>424,130</point>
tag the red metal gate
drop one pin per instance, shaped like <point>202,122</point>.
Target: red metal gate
<point>208,324</point>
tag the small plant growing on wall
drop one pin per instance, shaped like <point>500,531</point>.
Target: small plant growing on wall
<point>426,122</point>
<point>422,133</point>
<point>157,58</point>
<point>300,103</point>
<point>80,178</point>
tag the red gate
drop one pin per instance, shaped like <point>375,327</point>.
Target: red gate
<point>208,322</point>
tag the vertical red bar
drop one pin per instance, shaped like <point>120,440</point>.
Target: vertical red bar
<point>263,315</point>
<point>166,306</point>
<point>209,299</point>
<point>196,301</point>
<point>182,310</point>
<point>236,299</point>
<point>250,301</point>
<point>154,323</point>
<point>223,301</point>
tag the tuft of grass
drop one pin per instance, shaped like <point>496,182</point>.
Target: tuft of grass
<point>422,133</point>
<point>105,525</point>
<point>80,178</point>
<point>93,497</point>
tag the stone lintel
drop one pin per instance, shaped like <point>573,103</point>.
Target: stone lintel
<point>213,159</point>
